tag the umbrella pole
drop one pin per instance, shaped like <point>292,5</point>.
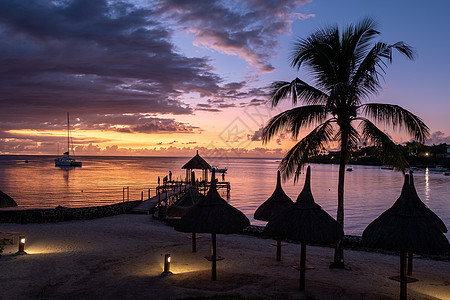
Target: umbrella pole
<point>410,262</point>
<point>302,266</point>
<point>194,242</point>
<point>278,249</point>
<point>213,255</point>
<point>403,295</point>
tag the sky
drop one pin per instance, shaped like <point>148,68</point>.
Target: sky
<point>167,78</point>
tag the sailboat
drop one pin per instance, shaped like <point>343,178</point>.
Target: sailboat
<point>66,160</point>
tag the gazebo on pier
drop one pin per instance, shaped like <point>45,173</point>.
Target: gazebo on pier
<point>196,163</point>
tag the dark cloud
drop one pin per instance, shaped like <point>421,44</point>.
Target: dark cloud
<point>248,29</point>
<point>114,65</point>
<point>438,137</point>
<point>257,136</point>
<point>257,102</point>
<point>164,126</point>
<point>92,56</point>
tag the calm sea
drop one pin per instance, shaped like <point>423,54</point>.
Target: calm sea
<point>369,190</point>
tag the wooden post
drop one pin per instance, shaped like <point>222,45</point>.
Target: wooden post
<point>142,196</point>
<point>410,262</point>
<point>213,256</point>
<point>194,242</point>
<point>278,249</point>
<point>403,292</point>
<point>302,266</point>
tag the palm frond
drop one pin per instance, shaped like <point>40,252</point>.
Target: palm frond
<point>390,153</point>
<point>293,120</point>
<point>309,146</point>
<point>362,35</point>
<point>397,117</point>
<point>296,90</point>
<point>317,53</point>
<point>372,67</point>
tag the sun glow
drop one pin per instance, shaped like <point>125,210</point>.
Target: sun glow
<point>108,138</point>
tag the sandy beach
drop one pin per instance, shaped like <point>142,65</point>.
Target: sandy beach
<point>121,257</point>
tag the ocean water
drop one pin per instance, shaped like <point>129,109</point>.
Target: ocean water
<point>369,190</point>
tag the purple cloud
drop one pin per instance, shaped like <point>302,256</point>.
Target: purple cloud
<point>247,29</point>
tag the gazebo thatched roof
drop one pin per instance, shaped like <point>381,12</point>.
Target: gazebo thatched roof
<point>6,201</point>
<point>196,163</point>
<point>213,215</point>
<point>304,221</point>
<point>275,204</point>
<point>406,226</point>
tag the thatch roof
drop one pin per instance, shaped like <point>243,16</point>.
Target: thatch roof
<point>429,212</point>
<point>213,215</point>
<point>304,221</point>
<point>275,204</point>
<point>196,163</point>
<point>407,225</point>
<point>6,201</point>
<point>186,202</point>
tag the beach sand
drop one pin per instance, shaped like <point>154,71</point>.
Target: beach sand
<point>121,257</point>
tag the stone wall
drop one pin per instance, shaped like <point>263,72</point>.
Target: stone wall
<point>60,214</point>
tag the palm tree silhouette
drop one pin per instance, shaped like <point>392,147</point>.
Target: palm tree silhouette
<point>346,67</point>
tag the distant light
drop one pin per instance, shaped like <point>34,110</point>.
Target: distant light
<point>427,154</point>
<point>166,265</point>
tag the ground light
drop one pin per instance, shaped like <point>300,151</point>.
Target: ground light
<point>166,265</point>
<point>21,246</point>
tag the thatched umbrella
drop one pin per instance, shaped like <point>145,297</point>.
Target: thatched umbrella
<point>305,221</point>
<point>190,198</point>
<point>421,205</point>
<point>6,201</point>
<point>407,226</point>
<point>415,198</point>
<point>213,215</point>
<point>276,203</point>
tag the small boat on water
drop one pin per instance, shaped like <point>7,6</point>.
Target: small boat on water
<point>437,169</point>
<point>387,168</point>
<point>349,169</point>
<point>66,160</point>
<point>219,170</point>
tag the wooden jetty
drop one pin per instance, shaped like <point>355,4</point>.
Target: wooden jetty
<point>168,193</point>
<point>171,190</point>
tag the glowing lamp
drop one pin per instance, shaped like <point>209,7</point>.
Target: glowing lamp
<point>166,265</point>
<point>21,245</point>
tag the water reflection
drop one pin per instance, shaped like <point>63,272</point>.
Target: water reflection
<point>427,187</point>
<point>369,191</point>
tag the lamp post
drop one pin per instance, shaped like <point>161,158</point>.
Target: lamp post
<point>21,246</point>
<point>166,265</point>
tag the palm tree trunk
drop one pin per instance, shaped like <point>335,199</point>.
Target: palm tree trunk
<point>339,247</point>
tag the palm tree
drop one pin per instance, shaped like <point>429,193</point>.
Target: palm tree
<point>346,68</point>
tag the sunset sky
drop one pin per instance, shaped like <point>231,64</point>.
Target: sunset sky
<point>169,77</point>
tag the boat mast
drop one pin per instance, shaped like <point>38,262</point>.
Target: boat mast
<point>68,136</point>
